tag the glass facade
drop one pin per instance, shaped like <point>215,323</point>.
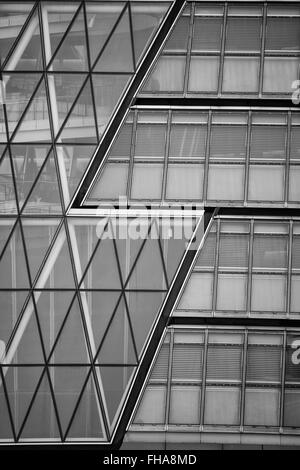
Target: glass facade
<point>230,49</point>
<point>214,157</point>
<point>246,267</point>
<point>208,379</point>
<point>123,124</point>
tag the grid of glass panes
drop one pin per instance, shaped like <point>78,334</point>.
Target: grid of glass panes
<point>223,48</point>
<point>247,266</point>
<point>245,379</point>
<point>79,299</point>
<point>218,157</point>
<point>64,68</point>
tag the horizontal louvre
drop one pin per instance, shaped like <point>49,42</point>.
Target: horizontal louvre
<point>263,363</point>
<point>268,142</point>
<point>179,37</point>
<point>150,141</point>
<point>224,363</point>
<point>292,369</point>
<point>207,34</point>
<point>160,370</point>
<point>207,254</point>
<point>269,252</point>
<point>121,147</point>
<point>233,251</point>
<point>296,253</point>
<point>187,362</point>
<point>295,142</point>
<point>228,142</point>
<point>283,34</point>
<point>243,34</point>
<point>187,141</point>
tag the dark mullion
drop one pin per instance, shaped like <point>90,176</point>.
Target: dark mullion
<point>134,125</point>
<point>47,254</point>
<point>61,328</point>
<point>107,328</point>
<point>262,52</point>
<point>20,120</point>
<point>125,300</point>
<point>57,137</point>
<point>31,403</point>
<point>109,37</point>
<point>90,68</point>
<point>90,261</point>
<point>17,39</point>
<point>11,419</point>
<point>163,261</point>
<point>64,35</point>
<point>189,48</point>
<point>222,50</point>
<point>131,36</point>
<point>247,158</point>
<point>35,181</point>
<point>77,404</point>
<point>7,243</point>
<point>45,360</point>
<point>138,255</point>
<point>8,149</point>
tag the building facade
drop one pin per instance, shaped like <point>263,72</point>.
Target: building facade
<point>150,224</point>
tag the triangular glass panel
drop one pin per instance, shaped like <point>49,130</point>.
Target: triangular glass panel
<point>101,19</point>
<point>25,346</point>
<point>103,271</point>
<point>81,121</point>
<point>44,197</point>
<point>108,90</point>
<point>21,383</point>
<point>67,87</point>
<point>76,159</point>
<point>13,269</point>
<point>72,53</point>
<point>18,91</point>
<point>117,55</point>
<point>87,422</point>
<point>101,307</point>
<point>115,382</point>
<point>6,226</point>
<point>71,346</point>
<point>58,267</point>
<point>67,384</point>
<point>118,347</point>
<point>148,272</point>
<point>41,422</point>
<point>27,161</point>
<point>52,307</point>
<point>173,246</point>
<point>7,192</point>
<point>35,123</point>
<point>5,424</point>
<point>12,20</point>
<point>58,21</point>
<point>143,310</point>
<point>28,52</point>
<point>11,303</point>
<point>38,236</point>
<point>146,20</point>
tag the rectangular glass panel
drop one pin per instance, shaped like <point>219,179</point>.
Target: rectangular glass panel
<point>225,182</point>
<point>147,181</point>
<point>222,406</point>
<point>168,76</point>
<point>231,292</point>
<point>266,183</point>
<point>198,292</point>
<point>262,407</point>
<point>185,405</point>
<point>184,181</point>
<point>268,293</point>
<point>240,74</point>
<point>279,74</point>
<point>203,76</point>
